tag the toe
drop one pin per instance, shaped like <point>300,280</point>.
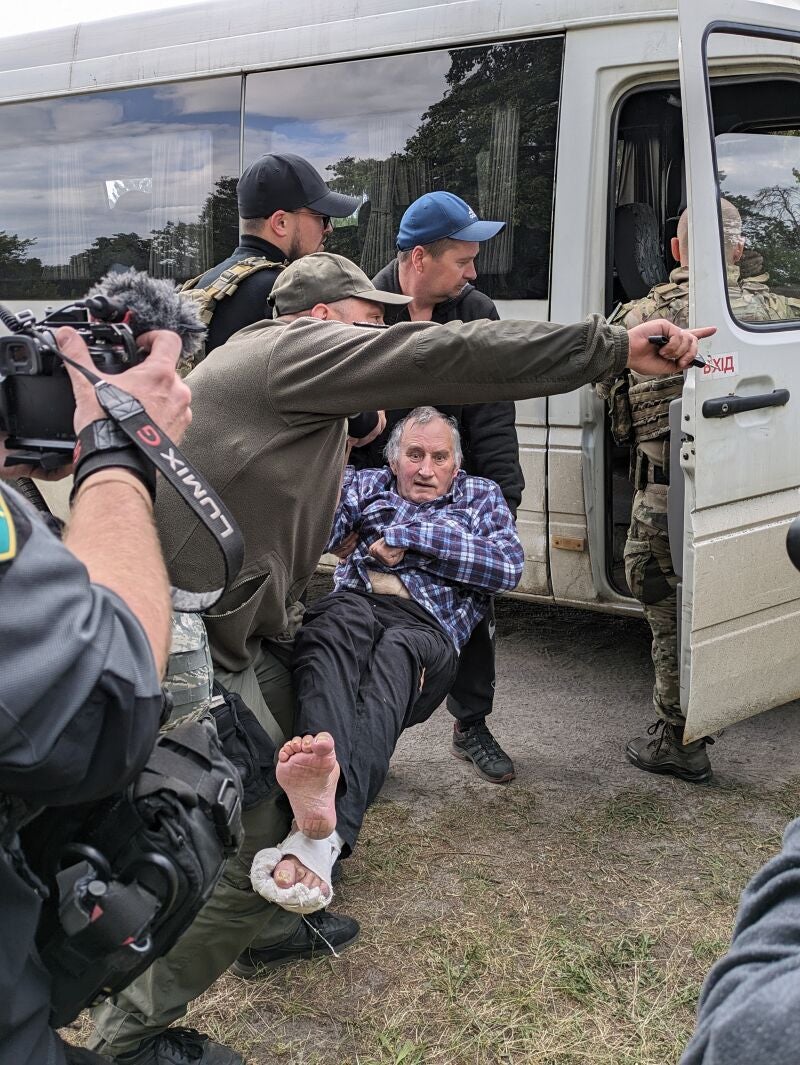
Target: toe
<point>285,873</point>
<point>323,743</point>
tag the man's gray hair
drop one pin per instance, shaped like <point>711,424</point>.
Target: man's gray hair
<point>422,416</point>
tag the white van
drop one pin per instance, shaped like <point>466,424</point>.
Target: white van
<point>587,125</point>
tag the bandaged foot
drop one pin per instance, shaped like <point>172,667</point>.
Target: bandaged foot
<point>308,772</point>
<point>297,873</point>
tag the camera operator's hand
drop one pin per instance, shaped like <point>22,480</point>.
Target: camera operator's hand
<point>153,381</point>
<point>676,354</point>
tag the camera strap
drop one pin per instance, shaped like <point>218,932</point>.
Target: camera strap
<point>128,413</point>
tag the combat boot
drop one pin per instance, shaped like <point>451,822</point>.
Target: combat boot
<point>665,753</point>
<point>179,1046</point>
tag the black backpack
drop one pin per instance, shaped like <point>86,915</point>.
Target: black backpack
<point>136,868</point>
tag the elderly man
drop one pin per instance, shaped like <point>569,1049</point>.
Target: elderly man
<point>438,242</point>
<point>380,652</point>
<point>269,430</point>
<point>648,559</point>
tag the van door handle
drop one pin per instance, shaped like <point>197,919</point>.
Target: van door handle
<point>725,406</point>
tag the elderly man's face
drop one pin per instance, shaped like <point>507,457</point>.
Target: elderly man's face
<point>426,466</point>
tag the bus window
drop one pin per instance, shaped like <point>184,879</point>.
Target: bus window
<point>479,122</point>
<point>139,177</point>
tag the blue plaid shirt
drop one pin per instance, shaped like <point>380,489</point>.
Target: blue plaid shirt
<point>460,547</point>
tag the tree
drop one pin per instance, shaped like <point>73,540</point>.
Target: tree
<point>20,273</point>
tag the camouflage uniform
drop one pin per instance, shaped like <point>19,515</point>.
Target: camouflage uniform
<point>190,673</point>
<point>648,561</point>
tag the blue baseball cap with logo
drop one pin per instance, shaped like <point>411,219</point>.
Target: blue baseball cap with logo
<point>437,215</point>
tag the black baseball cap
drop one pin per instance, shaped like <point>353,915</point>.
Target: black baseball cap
<point>285,183</point>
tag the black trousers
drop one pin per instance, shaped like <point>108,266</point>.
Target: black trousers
<point>358,661</point>
<point>471,697</point>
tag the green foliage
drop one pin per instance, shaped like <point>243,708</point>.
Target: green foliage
<point>220,217</point>
<point>13,249</point>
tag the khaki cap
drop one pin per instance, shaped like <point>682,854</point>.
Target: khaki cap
<point>324,278</point>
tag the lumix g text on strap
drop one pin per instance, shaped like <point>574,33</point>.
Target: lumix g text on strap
<point>154,444</point>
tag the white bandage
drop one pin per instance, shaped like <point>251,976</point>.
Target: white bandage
<point>317,855</point>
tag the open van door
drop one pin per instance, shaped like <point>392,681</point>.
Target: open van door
<point>740,602</point>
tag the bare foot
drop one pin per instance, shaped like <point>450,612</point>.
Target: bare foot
<point>307,771</point>
<point>290,871</point>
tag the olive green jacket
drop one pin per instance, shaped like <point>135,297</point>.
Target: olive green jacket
<point>268,431</point>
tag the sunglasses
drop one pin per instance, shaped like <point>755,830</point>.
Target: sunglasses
<point>324,218</point>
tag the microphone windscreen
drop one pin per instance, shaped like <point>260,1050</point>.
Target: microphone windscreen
<point>154,304</point>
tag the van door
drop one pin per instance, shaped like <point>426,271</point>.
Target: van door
<point>740,613</point>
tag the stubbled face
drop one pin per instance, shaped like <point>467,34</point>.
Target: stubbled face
<point>426,465</point>
<point>308,232</point>
<point>444,276</point>
<point>355,310</point>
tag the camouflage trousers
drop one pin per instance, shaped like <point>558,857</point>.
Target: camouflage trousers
<point>652,580</point>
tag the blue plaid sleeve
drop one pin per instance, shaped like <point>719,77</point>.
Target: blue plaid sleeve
<point>488,557</point>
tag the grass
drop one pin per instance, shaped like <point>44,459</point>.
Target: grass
<point>538,936</point>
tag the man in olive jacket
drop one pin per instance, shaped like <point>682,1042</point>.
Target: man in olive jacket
<point>437,243</point>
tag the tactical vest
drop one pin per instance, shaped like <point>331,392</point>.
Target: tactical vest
<point>209,296</point>
<point>649,405</point>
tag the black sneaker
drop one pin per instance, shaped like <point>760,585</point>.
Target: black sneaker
<point>665,753</point>
<point>180,1046</point>
<point>476,744</point>
<point>318,935</point>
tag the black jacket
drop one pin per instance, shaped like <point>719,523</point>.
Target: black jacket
<point>248,304</point>
<point>488,431</point>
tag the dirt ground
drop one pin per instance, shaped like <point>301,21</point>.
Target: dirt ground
<point>566,918</point>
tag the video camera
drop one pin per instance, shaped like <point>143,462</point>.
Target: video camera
<point>36,401</point>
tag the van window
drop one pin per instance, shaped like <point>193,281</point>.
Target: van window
<point>140,177</point>
<point>478,122</point>
<point>758,166</point>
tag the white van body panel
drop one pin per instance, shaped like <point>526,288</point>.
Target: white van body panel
<point>601,63</point>
<point>251,35</point>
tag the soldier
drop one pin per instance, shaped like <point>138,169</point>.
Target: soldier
<point>648,561</point>
<point>285,212</point>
